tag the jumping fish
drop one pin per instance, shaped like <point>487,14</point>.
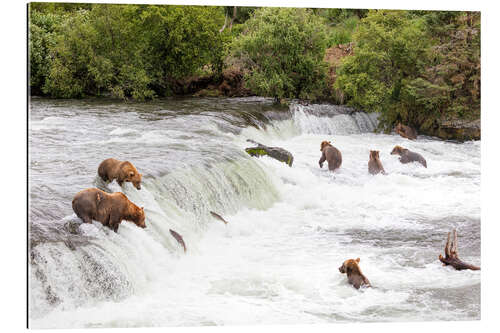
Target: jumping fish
<point>217,216</point>
<point>178,238</point>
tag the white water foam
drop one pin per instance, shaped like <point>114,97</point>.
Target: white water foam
<point>276,261</point>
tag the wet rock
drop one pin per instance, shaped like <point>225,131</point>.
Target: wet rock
<point>277,153</point>
<point>457,129</point>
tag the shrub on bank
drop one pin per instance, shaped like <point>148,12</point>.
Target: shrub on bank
<point>281,51</point>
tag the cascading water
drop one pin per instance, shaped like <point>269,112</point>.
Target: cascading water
<point>289,229</point>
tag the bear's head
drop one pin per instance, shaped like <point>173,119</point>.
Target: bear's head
<point>397,150</point>
<point>324,144</point>
<point>399,127</point>
<point>374,154</point>
<point>140,220</point>
<point>135,178</point>
<point>349,266</point>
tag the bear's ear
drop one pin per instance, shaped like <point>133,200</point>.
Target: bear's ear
<point>357,260</point>
<point>142,208</point>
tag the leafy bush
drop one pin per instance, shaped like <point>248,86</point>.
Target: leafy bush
<point>42,32</point>
<point>282,51</point>
<point>342,32</point>
<point>391,49</point>
<point>127,50</point>
<point>417,68</point>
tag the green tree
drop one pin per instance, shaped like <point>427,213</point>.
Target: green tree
<point>98,52</point>
<point>182,41</point>
<point>282,52</point>
<point>391,51</point>
<point>42,33</point>
<point>135,51</point>
<point>415,67</point>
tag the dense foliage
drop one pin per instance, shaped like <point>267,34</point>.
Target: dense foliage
<point>417,67</point>
<point>282,52</point>
<point>126,50</point>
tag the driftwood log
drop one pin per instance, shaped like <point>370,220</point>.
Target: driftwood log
<point>277,153</point>
<point>451,254</point>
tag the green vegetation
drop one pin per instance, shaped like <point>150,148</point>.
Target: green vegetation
<point>281,51</point>
<point>417,67</point>
<point>132,51</point>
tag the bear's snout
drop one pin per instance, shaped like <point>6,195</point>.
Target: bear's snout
<point>341,269</point>
<point>138,186</point>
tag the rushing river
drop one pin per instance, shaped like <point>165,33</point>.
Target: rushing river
<point>276,261</point>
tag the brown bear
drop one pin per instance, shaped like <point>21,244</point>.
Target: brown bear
<point>354,275</point>
<point>330,154</point>
<point>108,208</point>
<point>408,156</point>
<point>111,168</point>
<point>406,131</point>
<point>374,164</point>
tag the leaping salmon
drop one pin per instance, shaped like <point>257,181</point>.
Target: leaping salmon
<point>178,238</point>
<point>217,216</point>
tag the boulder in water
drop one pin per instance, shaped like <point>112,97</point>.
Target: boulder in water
<point>277,153</point>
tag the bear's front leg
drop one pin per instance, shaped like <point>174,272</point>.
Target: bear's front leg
<point>114,222</point>
<point>322,160</point>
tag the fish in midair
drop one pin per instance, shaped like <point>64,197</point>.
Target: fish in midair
<point>178,238</point>
<point>218,217</point>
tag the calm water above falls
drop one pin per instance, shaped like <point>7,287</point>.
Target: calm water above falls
<point>289,230</point>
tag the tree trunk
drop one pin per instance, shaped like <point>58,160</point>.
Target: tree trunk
<point>451,255</point>
<point>224,26</point>
<point>233,18</point>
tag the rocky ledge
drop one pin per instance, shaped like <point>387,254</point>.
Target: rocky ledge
<point>457,129</point>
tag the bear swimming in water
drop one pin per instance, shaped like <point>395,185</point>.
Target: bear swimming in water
<point>330,154</point>
<point>354,275</point>
<point>125,171</point>
<point>408,156</point>
<point>108,208</point>
<point>374,164</point>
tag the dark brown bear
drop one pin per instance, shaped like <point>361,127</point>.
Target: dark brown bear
<point>408,156</point>
<point>406,131</point>
<point>330,154</point>
<point>354,275</point>
<point>374,164</point>
<point>109,209</point>
<point>111,168</point>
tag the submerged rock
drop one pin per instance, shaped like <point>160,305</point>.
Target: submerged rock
<point>277,153</point>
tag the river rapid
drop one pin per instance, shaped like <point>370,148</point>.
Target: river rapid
<point>276,261</point>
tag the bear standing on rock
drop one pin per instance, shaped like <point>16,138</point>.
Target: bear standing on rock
<point>125,171</point>
<point>374,164</point>
<point>330,154</point>
<point>354,275</point>
<point>109,209</point>
<point>408,156</point>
